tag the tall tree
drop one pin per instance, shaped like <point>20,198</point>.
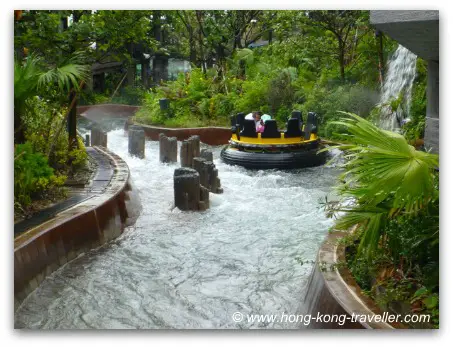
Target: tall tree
<point>342,24</point>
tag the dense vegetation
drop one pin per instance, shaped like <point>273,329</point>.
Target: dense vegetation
<point>273,61</point>
<point>44,153</point>
<point>321,61</point>
<point>391,192</point>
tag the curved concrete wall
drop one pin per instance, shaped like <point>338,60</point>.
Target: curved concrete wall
<point>94,112</point>
<point>335,292</point>
<point>210,135</point>
<point>90,224</point>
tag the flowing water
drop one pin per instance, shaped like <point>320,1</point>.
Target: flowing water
<point>176,269</point>
<point>399,78</point>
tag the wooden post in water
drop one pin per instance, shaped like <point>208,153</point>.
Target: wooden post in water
<point>208,173</point>
<point>168,149</point>
<point>207,154</point>
<point>98,137</point>
<point>136,144</point>
<point>190,149</point>
<point>189,194</point>
<point>129,122</point>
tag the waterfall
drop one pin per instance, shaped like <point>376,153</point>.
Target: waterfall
<point>398,82</point>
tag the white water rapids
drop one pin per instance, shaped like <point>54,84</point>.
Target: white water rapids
<point>176,269</point>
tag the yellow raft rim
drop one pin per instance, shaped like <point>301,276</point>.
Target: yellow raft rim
<point>266,142</point>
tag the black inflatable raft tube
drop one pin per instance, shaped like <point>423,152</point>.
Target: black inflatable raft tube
<point>262,161</point>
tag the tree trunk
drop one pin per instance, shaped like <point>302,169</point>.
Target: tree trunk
<point>380,56</point>
<point>145,76</point>
<point>341,58</point>
<point>193,51</point>
<point>19,131</point>
<point>160,69</point>
<point>157,27</point>
<point>72,120</point>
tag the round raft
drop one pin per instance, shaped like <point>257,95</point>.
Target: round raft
<point>296,147</point>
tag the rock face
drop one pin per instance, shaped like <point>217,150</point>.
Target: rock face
<point>189,194</point>
<point>208,173</point>
<point>136,141</point>
<point>168,149</point>
<point>190,149</point>
<point>98,137</point>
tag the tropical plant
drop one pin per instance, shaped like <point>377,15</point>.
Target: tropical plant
<point>32,174</point>
<point>385,177</point>
<point>33,77</point>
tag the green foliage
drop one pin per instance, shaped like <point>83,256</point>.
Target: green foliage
<point>254,94</point>
<point>32,174</point>
<point>43,121</point>
<point>129,95</point>
<point>390,193</point>
<point>385,176</point>
<point>194,101</point>
<point>415,128</point>
<point>33,77</point>
<point>112,30</point>
<point>326,102</point>
<point>405,269</point>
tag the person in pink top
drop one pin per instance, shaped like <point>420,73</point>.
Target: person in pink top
<point>259,122</point>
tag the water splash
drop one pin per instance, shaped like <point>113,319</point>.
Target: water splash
<point>401,69</point>
<point>176,269</point>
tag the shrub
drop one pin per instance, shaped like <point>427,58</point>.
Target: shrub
<point>254,95</point>
<point>395,195</point>
<point>32,174</point>
<point>43,123</point>
<point>415,128</point>
<point>194,101</point>
<point>328,102</point>
<point>129,95</point>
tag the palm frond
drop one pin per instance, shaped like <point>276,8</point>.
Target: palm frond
<point>382,168</point>
<point>26,76</point>
<point>65,77</point>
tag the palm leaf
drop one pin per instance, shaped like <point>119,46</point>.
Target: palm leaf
<point>382,168</point>
<point>65,77</point>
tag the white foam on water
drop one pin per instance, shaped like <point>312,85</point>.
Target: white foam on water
<point>176,269</point>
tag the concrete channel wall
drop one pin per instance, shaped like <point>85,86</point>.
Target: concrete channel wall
<point>333,291</point>
<point>213,136</point>
<point>43,249</point>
